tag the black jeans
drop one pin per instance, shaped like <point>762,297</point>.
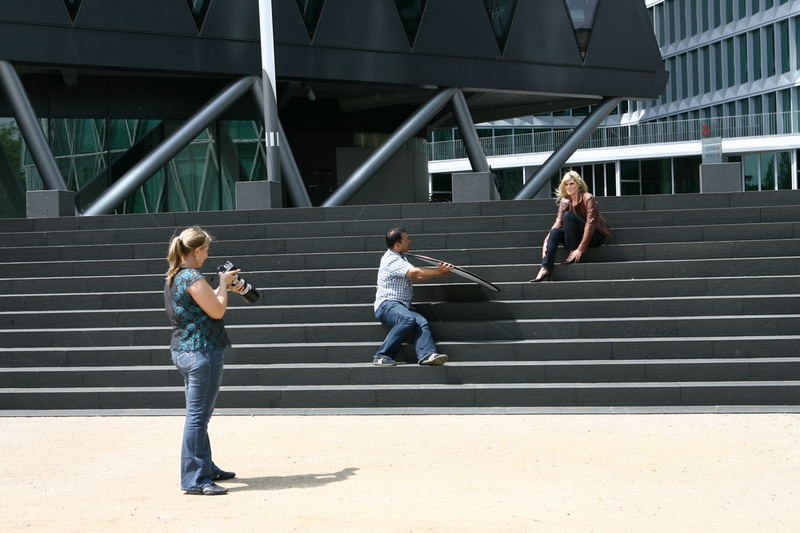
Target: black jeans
<point>569,235</point>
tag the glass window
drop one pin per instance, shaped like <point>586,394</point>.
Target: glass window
<point>769,37</point>
<point>756,6</point>
<point>693,17</point>
<point>731,62</point>
<point>611,179</point>
<point>755,38</point>
<point>501,12</point>
<point>659,11</point>
<point>706,69</point>
<point>750,171</point>
<point>684,76</point>
<point>311,9</point>
<point>716,9</point>
<point>680,5</point>
<point>784,30</point>
<point>695,74</point>
<point>718,82</point>
<point>410,13</point>
<point>768,3</point>
<point>728,11</point>
<point>686,171</point>
<point>656,176</point>
<point>742,43</point>
<point>784,170</point>
<point>629,177</point>
<point>704,15</point>
<point>797,42</point>
<point>767,168</point>
<point>742,8</point>
<point>669,8</point>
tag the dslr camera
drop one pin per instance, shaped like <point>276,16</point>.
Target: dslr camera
<point>250,294</point>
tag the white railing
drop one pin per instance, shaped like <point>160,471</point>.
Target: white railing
<point>647,133</point>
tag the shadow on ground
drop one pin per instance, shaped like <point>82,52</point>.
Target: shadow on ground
<point>305,481</point>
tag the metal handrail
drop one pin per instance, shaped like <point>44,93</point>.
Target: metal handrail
<point>765,124</point>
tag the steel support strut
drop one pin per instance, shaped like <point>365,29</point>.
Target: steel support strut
<point>381,156</point>
<point>565,151</point>
<point>170,147</point>
<point>472,144</point>
<point>295,186</point>
<point>31,129</point>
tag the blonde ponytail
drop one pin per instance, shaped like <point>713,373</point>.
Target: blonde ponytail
<point>182,245</point>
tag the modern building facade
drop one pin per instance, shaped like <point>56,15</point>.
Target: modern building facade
<point>110,82</point>
<point>734,73</point>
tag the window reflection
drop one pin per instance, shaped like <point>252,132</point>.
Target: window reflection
<point>411,14</point>
<point>582,13</point>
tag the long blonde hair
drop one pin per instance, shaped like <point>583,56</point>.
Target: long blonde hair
<point>182,245</point>
<point>561,191</point>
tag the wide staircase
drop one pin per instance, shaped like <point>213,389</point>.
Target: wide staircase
<point>693,304</point>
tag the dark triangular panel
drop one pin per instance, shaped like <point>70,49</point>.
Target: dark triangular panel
<point>235,19</point>
<point>500,14</point>
<point>199,9</point>
<point>158,16</point>
<point>468,35</point>
<point>582,15</point>
<point>287,23</point>
<point>541,32</point>
<point>311,10</point>
<point>410,12</point>
<point>42,11</point>
<point>342,24</point>
<point>623,38</point>
<point>73,6</point>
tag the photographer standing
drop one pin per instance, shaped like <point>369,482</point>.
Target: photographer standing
<point>199,340</point>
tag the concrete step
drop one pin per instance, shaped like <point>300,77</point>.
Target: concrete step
<point>616,348</point>
<point>587,371</point>
<point>467,330</point>
<point>436,311</point>
<point>427,395</point>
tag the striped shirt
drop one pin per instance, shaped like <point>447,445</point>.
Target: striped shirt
<point>392,281</point>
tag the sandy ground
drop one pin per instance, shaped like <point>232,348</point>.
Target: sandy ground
<point>720,472</point>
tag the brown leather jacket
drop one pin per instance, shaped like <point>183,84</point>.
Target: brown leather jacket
<point>586,209</point>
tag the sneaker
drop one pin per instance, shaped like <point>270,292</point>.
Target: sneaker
<point>209,490</point>
<point>383,360</point>
<point>434,359</point>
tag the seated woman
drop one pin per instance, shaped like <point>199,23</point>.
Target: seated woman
<point>578,225</point>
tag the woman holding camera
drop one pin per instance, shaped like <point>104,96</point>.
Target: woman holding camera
<point>578,225</point>
<point>199,340</point>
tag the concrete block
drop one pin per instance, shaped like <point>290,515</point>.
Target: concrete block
<point>474,187</point>
<point>258,195</point>
<point>720,177</point>
<point>47,204</point>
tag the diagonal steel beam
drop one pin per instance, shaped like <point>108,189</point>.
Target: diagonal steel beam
<point>381,156</point>
<point>565,151</point>
<point>295,185</point>
<point>30,128</point>
<point>170,147</point>
<point>472,144</point>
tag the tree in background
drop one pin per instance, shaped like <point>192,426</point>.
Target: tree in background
<point>12,179</point>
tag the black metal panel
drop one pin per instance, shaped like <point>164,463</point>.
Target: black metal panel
<point>135,50</point>
<point>484,75</point>
<point>541,32</point>
<point>232,19</point>
<point>472,36</point>
<point>158,16</point>
<point>33,43</point>
<point>623,38</point>
<point>287,23</point>
<point>37,11</point>
<point>342,24</point>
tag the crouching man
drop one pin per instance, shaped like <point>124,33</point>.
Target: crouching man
<point>393,303</point>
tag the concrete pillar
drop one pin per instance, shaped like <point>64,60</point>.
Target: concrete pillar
<point>721,177</point>
<point>48,204</point>
<point>258,195</point>
<point>474,187</point>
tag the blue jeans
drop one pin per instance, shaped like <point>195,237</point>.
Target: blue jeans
<point>569,235</point>
<point>406,324</point>
<point>202,375</point>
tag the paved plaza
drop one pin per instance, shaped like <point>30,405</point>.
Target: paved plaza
<point>483,473</point>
